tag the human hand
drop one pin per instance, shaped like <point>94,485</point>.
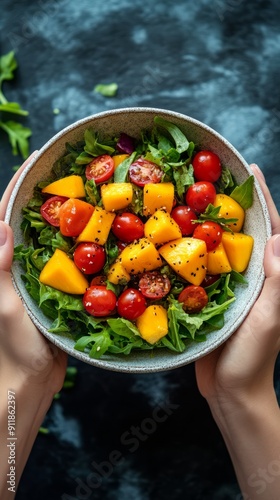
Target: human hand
<point>25,355</point>
<point>241,370</point>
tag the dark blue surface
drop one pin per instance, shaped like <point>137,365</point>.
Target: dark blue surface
<point>218,62</point>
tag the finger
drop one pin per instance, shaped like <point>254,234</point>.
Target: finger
<point>273,212</point>
<point>7,194</point>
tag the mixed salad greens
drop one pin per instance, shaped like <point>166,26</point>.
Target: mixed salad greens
<point>156,193</point>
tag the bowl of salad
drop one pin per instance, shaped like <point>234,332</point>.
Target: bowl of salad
<point>139,239</point>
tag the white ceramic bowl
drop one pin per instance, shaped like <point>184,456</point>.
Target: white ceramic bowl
<point>132,121</point>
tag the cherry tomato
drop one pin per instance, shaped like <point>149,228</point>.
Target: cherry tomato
<point>98,280</point>
<point>50,209</point>
<point>199,195</point>
<point>90,258</point>
<point>207,166</point>
<point>121,245</point>
<point>128,227</point>
<point>194,298</point>
<point>100,169</point>
<point>131,304</point>
<point>143,172</point>
<point>99,301</point>
<point>184,216</point>
<point>74,216</point>
<point>210,232</point>
<point>210,279</point>
<point>154,285</point>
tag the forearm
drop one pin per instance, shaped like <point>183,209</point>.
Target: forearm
<point>252,435</point>
<point>22,411</point>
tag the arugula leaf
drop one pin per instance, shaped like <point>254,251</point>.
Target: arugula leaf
<point>106,89</point>
<point>121,171</point>
<point>13,107</point>
<point>100,343</point>
<point>243,193</point>
<point>181,142</point>
<point>93,148</point>
<point>18,136</point>
<point>8,65</point>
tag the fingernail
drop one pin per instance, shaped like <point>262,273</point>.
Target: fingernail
<point>276,246</point>
<point>3,234</point>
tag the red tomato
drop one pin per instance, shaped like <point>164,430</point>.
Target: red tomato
<point>199,195</point>
<point>184,216</point>
<point>194,298</point>
<point>74,216</point>
<point>98,280</point>
<point>99,301</point>
<point>121,245</point>
<point>131,304</point>
<point>154,285</point>
<point>50,209</point>
<point>209,280</point>
<point>128,227</point>
<point>210,232</point>
<point>143,172</point>
<point>207,166</point>
<point>100,169</point>
<point>90,258</point>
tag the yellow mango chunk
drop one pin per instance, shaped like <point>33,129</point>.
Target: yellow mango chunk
<point>230,209</point>
<point>140,256</point>
<point>118,159</point>
<point>153,324</point>
<point>98,227</point>
<point>218,261</point>
<point>71,187</point>
<point>156,196</point>
<point>188,257</point>
<point>160,228</point>
<point>117,274</point>
<point>61,272</point>
<point>238,247</point>
<point>116,196</point>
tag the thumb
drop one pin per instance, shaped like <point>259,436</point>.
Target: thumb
<point>272,258</point>
<point>6,249</point>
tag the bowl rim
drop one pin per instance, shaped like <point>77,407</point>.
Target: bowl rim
<point>122,364</point>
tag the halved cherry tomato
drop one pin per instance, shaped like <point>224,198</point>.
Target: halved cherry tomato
<point>131,304</point>
<point>184,216</point>
<point>90,258</point>
<point>99,301</point>
<point>100,169</point>
<point>50,209</point>
<point>194,298</point>
<point>199,195</point>
<point>128,227</point>
<point>210,232</point>
<point>207,166</point>
<point>154,285</point>
<point>143,172</point>
<point>74,216</point>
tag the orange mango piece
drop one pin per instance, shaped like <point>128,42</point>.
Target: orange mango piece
<point>116,196</point>
<point>153,323</point>
<point>218,262</point>
<point>71,187</point>
<point>98,227</point>
<point>230,209</point>
<point>238,247</point>
<point>61,273</point>
<point>156,196</point>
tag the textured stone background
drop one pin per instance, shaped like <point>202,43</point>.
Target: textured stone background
<point>218,62</point>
